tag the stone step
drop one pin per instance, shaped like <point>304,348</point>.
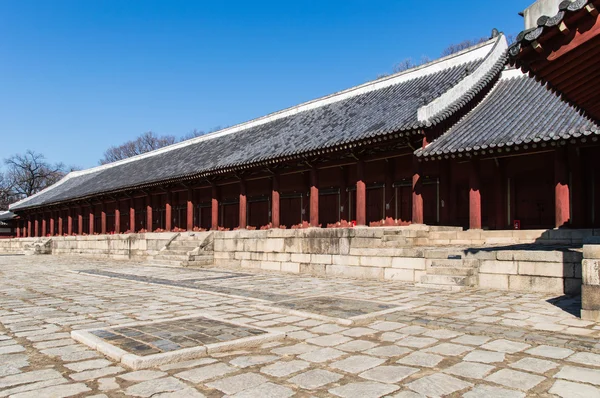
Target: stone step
<point>441,287</point>
<point>169,257</point>
<point>448,263</point>
<point>176,252</point>
<point>164,263</point>
<point>456,271</point>
<point>203,263</point>
<point>395,238</point>
<point>201,257</point>
<point>451,280</point>
<point>187,246</point>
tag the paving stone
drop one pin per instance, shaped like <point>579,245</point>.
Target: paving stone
<point>328,328</point>
<point>284,368</point>
<point>356,345</point>
<point>470,370</point>
<point>266,390</point>
<point>359,332</point>
<point>495,392</point>
<point>300,348</point>
<point>534,365</point>
<point>514,379</point>
<point>584,375</point>
<point>441,334</point>
<point>28,377</point>
<point>550,352</point>
<point>187,364</point>
<point>386,326</point>
<point>438,384</point>
<point>392,336</point>
<point>585,358</point>
<point>234,384</point>
<point>185,393</point>
<point>389,374</point>
<point>314,379</point>
<point>567,389</point>
<point>388,351</point>
<point>87,365</point>
<point>507,346</point>
<point>32,386</point>
<point>153,387</point>
<point>449,349</point>
<point>247,361</point>
<point>301,335</point>
<point>199,375</point>
<point>142,375</point>
<point>357,363</point>
<point>59,391</point>
<point>363,390</point>
<point>16,360</point>
<point>329,340</point>
<point>79,356</point>
<point>471,340</point>
<point>322,355</point>
<point>96,373</point>
<point>11,349</point>
<point>421,359</point>
<point>406,394</point>
<point>108,384</point>
<point>416,342</point>
<point>7,370</point>
<point>485,356</point>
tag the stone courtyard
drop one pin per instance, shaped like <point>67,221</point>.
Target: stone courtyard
<point>343,337</point>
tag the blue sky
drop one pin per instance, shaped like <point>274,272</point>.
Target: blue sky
<point>79,76</point>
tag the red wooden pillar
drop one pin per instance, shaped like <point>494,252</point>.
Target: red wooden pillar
<point>80,221</point>
<point>18,229</point>
<point>344,211</point>
<point>190,209</point>
<point>390,172</point>
<point>314,198</point>
<point>474,195</point>
<point>168,211</point>
<point>275,216</point>
<point>445,176</point>
<point>29,228</point>
<point>43,232</point>
<point>103,218</point>
<point>561,188</point>
<point>149,213</point>
<point>70,222</point>
<point>361,194</point>
<point>576,189</point>
<point>60,223</point>
<point>214,219</point>
<point>51,223</point>
<point>499,200</point>
<point>417,193</point>
<point>91,215</point>
<point>131,216</point>
<point>117,217</point>
<point>243,205</point>
<point>36,223</point>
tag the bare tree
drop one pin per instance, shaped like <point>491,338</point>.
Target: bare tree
<point>463,45</point>
<point>144,143</point>
<point>6,193</point>
<point>29,173</point>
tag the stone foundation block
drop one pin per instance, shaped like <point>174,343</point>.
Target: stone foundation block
<point>300,258</point>
<point>555,270</point>
<point>270,265</point>
<point>312,269</point>
<point>320,258</point>
<point>293,268</point>
<point>591,272</point>
<point>498,267</point>
<point>409,262</point>
<point>354,272</point>
<point>278,257</point>
<point>491,281</point>
<point>383,262</point>
<point>536,284</point>
<point>345,260</point>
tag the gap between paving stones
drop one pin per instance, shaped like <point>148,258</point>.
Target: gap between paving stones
<point>137,362</point>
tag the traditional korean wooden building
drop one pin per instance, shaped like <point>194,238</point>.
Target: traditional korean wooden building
<point>462,141</point>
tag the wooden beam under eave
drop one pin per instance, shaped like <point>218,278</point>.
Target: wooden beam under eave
<point>574,65</point>
<point>579,38</point>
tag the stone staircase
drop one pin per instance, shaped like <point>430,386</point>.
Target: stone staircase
<point>451,274</point>
<point>186,251</point>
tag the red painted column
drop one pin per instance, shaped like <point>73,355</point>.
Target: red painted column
<point>91,215</point>
<point>361,194</point>
<point>314,198</point>
<point>51,231</point>
<point>149,213</point>
<point>390,172</point>
<point>18,229</point>
<point>60,223</point>
<point>29,228</point>
<point>70,222</point>
<point>275,215</point>
<point>117,217</point>
<point>474,195</point>
<point>344,194</point>
<point>169,211</point>
<point>103,218</point>
<point>500,198</point>
<point>131,216</point>
<point>445,176</point>
<point>578,206</point>
<point>214,220</point>
<point>243,205</point>
<point>417,193</point>
<point>190,209</point>
<point>36,231</point>
<point>80,221</point>
<point>44,230</point>
<point>561,188</point>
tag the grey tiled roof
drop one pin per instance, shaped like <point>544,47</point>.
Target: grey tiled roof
<point>517,111</point>
<point>371,113</point>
